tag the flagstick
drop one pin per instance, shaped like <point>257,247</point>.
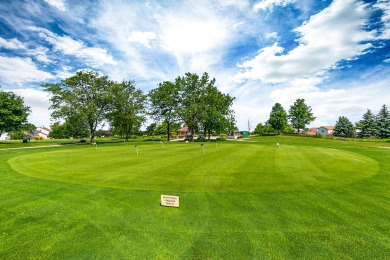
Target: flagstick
<point>136,149</point>
<point>204,151</point>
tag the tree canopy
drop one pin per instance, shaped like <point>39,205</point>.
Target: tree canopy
<point>84,97</point>
<point>164,103</point>
<point>300,115</point>
<point>13,112</point>
<point>127,108</point>
<point>344,128</point>
<point>383,122</point>
<point>368,125</point>
<point>278,118</point>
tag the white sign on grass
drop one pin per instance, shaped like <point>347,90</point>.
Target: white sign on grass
<point>170,201</point>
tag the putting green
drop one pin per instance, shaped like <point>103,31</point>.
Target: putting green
<point>228,167</point>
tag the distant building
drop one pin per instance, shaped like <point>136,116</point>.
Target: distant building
<point>325,130</point>
<point>311,131</point>
<point>4,136</point>
<point>184,132</point>
<point>43,132</point>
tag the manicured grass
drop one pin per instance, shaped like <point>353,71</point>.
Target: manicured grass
<point>312,198</point>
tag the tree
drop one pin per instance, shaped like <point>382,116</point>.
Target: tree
<point>59,131</point>
<point>264,129</point>
<point>13,112</point>
<point>25,132</point>
<point>162,128</point>
<point>278,118</point>
<point>383,123</point>
<point>202,105</point>
<point>191,105</point>
<point>368,125</point>
<point>164,103</point>
<point>151,129</point>
<point>83,97</point>
<point>344,128</point>
<point>216,110</point>
<point>300,115</point>
<point>127,108</point>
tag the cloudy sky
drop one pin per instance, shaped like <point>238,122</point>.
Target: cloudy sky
<point>334,54</point>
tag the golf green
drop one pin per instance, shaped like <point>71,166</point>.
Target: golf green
<point>190,167</point>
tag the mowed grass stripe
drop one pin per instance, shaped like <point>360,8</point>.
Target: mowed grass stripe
<point>184,167</point>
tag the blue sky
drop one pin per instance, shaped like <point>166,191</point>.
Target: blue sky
<point>334,54</point>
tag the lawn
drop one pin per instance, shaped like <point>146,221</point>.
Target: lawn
<point>304,198</point>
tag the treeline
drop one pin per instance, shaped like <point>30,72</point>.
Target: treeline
<point>299,115</point>
<point>370,126</point>
<point>88,100</point>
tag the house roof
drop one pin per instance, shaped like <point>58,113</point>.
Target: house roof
<point>328,127</point>
<point>183,129</point>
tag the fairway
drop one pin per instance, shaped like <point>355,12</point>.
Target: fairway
<point>185,167</point>
<point>307,198</point>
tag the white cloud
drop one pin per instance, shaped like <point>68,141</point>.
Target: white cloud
<point>93,56</point>
<point>269,4</point>
<point>59,4</point>
<point>384,5</point>
<point>143,38</point>
<point>272,35</point>
<point>20,70</point>
<point>12,44</point>
<point>40,54</point>
<point>181,35</point>
<point>333,35</point>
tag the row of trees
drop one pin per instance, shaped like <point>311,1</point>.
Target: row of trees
<point>88,99</point>
<point>194,100</point>
<point>299,115</point>
<point>370,126</point>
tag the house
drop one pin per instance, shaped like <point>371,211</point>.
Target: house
<point>325,130</point>
<point>312,131</point>
<point>43,132</point>
<point>183,132</point>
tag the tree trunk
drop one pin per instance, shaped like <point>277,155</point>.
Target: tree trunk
<point>209,134</point>
<point>168,126</point>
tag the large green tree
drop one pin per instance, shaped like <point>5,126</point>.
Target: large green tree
<point>344,128</point>
<point>383,122</point>
<point>84,97</point>
<point>191,104</point>
<point>202,105</point>
<point>300,115</point>
<point>13,112</point>
<point>368,125</point>
<point>217,110</point>
<point>164,103</point>
<point>127,108</point>
<point>278,118</point>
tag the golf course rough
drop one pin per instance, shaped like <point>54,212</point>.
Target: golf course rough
<point>183,167</point>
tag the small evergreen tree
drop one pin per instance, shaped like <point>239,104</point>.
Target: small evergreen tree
<point>383,123</point>
<point>368,125</point>
<point>344,128</point>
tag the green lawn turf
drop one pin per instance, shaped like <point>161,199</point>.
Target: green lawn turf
<point>307,198</point>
